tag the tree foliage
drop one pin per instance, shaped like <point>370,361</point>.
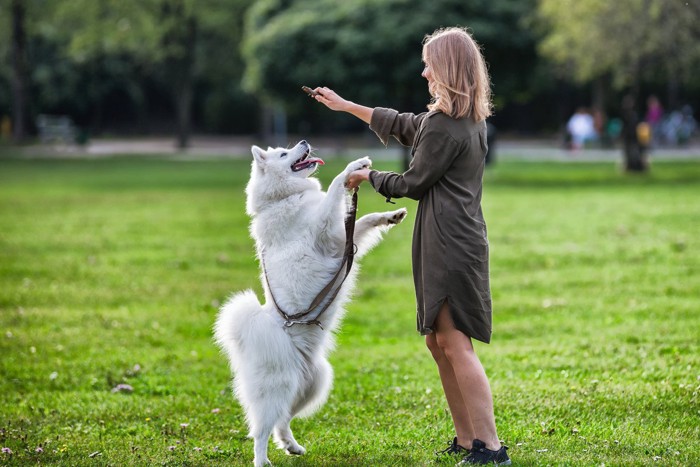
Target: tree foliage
<point>631,40</point>
<point>371,49</point>
<point>164,36</point>
<point>99,58</point>
<point>145,64</point>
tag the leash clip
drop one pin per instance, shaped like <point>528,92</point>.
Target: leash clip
<point>290,322</point>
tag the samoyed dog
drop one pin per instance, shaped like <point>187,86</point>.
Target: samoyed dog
<point>280,363</point>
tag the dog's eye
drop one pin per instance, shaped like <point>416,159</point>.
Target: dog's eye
<point>284,154</point>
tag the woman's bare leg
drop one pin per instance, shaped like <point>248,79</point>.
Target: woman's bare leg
<point>470,379</point>
<point>455,402</point>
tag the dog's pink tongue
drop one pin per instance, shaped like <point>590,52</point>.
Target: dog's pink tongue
<point>316,160</point>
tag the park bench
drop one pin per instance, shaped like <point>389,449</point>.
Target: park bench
<point>56,129</point>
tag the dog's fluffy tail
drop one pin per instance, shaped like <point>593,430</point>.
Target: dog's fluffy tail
<point>235,316</point>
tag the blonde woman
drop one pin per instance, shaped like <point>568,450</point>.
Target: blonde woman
<point>450,246</point>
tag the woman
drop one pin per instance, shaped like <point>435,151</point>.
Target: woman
<point>450,247</point>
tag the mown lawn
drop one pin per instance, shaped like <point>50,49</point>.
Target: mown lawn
<point>111,272</point>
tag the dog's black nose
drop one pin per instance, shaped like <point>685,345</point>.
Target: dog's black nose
<point>303,141</point>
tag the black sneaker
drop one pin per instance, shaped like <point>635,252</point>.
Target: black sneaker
<point>481,456</point>
<point>454,448</point>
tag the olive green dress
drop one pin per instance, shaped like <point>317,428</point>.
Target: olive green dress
<point>450,246</point>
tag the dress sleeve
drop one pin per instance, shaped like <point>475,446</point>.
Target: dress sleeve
<point>388,122</point>
<point>433,155</point>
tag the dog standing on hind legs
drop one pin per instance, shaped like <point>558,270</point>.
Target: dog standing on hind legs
<point>280,361</point>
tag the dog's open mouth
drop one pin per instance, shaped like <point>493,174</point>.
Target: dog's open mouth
<point>306,161</point>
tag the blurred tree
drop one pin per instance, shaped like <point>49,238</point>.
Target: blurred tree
<point>370,50</point>
<point>14,21</point>
<point>626,40</point>
<point>163,36</point>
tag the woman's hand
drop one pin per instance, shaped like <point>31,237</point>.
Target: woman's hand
<point>331,99</point>
<point>356,178</point>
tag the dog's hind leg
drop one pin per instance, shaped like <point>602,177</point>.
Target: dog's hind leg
<point>313,397</point>
<point>261,436</point>
<point>261,428</point>
<point>272,405</point>
<point>319,385</point>
<point>284,438</point>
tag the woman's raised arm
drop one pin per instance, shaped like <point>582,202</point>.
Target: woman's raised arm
<point>333,101</point>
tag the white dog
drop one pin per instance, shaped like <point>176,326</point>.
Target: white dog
<point>279,363</point>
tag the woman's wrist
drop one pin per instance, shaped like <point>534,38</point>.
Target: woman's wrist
<point>360,111</point>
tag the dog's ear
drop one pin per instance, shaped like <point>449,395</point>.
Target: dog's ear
<point>259,155</point>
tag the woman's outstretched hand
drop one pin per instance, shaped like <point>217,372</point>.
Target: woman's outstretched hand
<point>331,99</point>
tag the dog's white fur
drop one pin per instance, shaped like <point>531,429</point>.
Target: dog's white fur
<point>282,372</point>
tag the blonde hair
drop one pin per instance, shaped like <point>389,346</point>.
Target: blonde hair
<point>460,86</point>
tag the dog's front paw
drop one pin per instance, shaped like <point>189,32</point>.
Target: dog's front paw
<point>396,217</point>
<point>362,163</point>
<point>388,218</point>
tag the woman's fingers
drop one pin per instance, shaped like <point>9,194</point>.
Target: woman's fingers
<point>330,98</point>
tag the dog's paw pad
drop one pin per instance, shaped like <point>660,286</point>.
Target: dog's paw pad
<point>397,216</point>
<point>364,162</point>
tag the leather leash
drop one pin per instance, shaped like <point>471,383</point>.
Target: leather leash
<point>304,317</point>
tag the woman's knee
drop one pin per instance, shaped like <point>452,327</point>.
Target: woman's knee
<point>437,343</point>
<point>453,344</point>
<point>444,342</point>
<point>432,344</point>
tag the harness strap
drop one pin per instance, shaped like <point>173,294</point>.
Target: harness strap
<point>348,257</point>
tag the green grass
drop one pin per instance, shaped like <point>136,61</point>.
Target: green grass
<point>111,272</point>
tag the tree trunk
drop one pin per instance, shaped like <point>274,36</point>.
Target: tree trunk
<point>265,125</point>
<point>279,125</point>
<point>183,88</point>
<point>19,66</point>
<point>179,43</point>
<point>183,103</point>
<point>672,88</point>
<point>635,157</point>
<point>600,92</point>
<point>183,110</point>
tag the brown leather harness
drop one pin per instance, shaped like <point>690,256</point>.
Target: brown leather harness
<point>308,316</point>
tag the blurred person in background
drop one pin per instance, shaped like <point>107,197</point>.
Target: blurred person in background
<point>581,128</point>
<point>654,117</point>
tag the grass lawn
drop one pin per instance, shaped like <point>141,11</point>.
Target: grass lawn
<point>111,272</point>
